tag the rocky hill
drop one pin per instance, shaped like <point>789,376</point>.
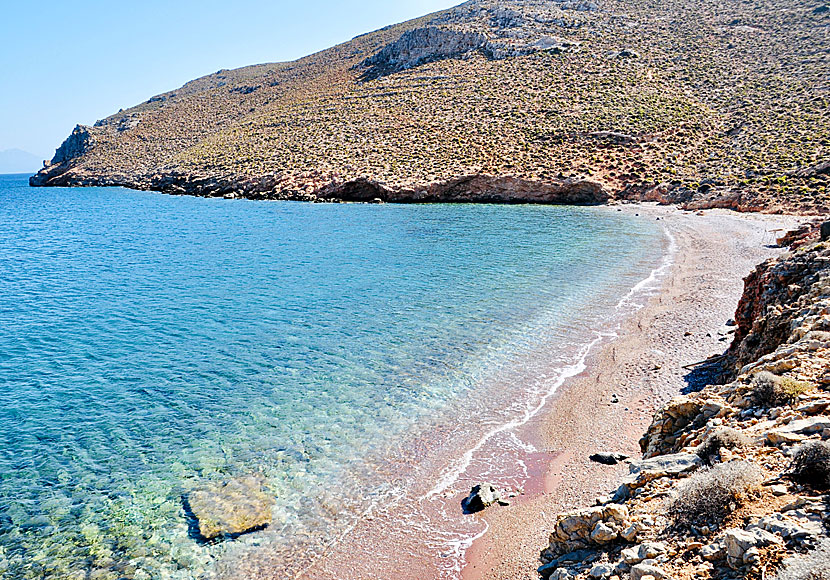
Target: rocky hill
<point>705,103</point>
<point>735,479</point>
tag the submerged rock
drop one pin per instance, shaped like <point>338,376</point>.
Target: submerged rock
<point>231,508</point>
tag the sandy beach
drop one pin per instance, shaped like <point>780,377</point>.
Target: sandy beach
<point>421,532</point>
<point>682,323</point>
<point>643,367</point>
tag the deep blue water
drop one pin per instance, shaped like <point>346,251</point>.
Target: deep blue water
<point>149,343</point>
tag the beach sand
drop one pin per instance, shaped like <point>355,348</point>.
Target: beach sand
<point>682,323</point>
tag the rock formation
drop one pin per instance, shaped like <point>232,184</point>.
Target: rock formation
<point>230,508</point>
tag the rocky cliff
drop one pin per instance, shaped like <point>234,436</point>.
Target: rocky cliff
<point>704,104</point>
<point>735,479</point>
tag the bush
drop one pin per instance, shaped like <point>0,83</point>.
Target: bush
<point>713,492</point>
<point>724,438</point>
<point>811,464</point>
<point>769,390</point>
<point>813,566</point>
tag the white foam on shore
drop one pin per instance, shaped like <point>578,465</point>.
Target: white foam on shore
<point>655,280</point>
<point>645,287</point>
<point>632,302</point>
<point>461,464</point>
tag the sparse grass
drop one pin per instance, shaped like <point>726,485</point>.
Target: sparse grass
<point>811,464</point>
<point>723,438</point>
<point>713,492</point>
<point>739,107</point>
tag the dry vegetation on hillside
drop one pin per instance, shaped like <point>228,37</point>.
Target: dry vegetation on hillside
<point>709,103</point>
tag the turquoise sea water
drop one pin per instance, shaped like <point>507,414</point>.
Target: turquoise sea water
<point>149,343</point>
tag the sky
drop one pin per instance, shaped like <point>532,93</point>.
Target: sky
<point>64,63</point>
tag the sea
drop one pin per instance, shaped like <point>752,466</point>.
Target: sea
<point>153,344</point>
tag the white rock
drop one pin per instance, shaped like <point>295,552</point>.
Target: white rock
<point>714,551</point>
<point>601,571</point>
<point>603,533</point>
<point>639,571</point>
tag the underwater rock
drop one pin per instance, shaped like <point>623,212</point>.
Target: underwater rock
<point>231,507</point>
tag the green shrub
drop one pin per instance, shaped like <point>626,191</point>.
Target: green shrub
<point>713,492</point>
<point>769,390</point>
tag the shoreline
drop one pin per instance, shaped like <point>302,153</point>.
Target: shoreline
<point>504,542</point>
<point>463,188</point>
<point>642,366</point>
<point>424,507</point>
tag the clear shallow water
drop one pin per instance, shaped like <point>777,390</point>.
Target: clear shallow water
<point>149,343</point>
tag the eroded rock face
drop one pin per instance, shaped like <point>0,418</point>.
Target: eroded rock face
<point>77,144</point>
<point>420,46</point>
<point>318,186</point>
<point>232,507</point>
<point>783,319</point>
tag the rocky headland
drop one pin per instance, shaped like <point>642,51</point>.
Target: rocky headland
<point>701,104</point>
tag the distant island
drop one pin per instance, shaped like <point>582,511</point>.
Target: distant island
<point>18,161</point>
<point>703,104</point>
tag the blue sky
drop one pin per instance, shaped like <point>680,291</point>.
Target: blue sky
<point>64,63</point>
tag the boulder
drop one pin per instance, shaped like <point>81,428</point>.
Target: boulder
<point>793,529</point>
<point>640,571</point>
<point>645,551</point>
<point>481,497</point>
<point>739,542</point>
<point>666,465</point>
<point>642,472</point>
<point>714,551</point>
<point>232,507</point>
<point>554,572</point>
<point>602,533</point>
<point>601,571</point>
<point>558,567</point>
<point>586,528</point>
<point>798,430</point>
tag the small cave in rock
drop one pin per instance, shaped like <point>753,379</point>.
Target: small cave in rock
<point>359,190</point>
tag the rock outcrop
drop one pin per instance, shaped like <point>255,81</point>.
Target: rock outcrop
<point>783,320</point>
<point>75,146</point>
<point>420,46</point>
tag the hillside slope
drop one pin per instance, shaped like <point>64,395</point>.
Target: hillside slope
<point>704,103</point>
